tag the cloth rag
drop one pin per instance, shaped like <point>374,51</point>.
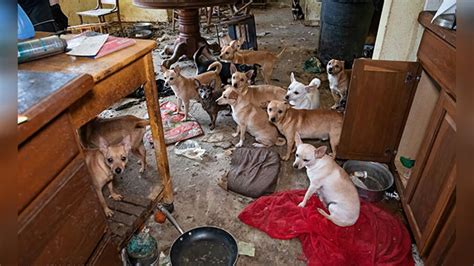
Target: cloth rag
<point>377,238</point>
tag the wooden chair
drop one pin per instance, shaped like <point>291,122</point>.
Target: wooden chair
<point>100,12</point>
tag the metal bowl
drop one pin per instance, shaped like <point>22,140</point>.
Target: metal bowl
<point>142,34</point>
<point>376,179</point>
<point>143,26</point>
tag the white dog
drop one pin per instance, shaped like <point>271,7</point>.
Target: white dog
<point>301,96</point>
<point>332,184</point>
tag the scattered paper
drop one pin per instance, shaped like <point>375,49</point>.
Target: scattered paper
<point>87,45</point>
<point>246,249</point>
<point>21,119</point>
<point>447,7</point>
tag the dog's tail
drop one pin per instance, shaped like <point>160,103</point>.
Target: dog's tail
<point>142,123</point>
<point>216,65</point>
<point>315,82</point>
<point>280,141</point>
<point>333,219</point>
<point>282,51</point>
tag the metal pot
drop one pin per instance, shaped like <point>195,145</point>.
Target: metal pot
<point>370,178</point>
<point>143,26</point>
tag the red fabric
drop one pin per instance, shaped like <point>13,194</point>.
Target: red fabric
<point>377,238</point>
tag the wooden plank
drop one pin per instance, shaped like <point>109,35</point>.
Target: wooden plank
<point>449,36</point>
<point>136,200</point>
<point>126,207</point>
<point>120,229</point>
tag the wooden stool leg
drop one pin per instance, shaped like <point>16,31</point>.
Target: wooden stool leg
<point>153,106</point>
<point>80,19</point>
<point>120,24</point>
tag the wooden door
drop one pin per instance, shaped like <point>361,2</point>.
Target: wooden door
<point>380,97</point>
<point>430,192</point>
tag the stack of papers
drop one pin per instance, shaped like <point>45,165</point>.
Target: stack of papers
<point>96,45</point>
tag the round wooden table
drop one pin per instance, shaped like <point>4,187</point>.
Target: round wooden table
<point>189,38</point>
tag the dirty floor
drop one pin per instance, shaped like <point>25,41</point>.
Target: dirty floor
<point>198,200</point>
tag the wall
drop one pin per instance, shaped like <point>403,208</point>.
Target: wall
<point>128,12</point>
<point>399,33</point>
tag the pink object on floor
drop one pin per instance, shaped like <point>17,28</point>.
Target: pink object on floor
<point>175,130</point>
<point>377,238</point>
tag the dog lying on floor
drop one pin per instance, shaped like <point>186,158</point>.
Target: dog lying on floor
<point>259,95</point>
<point>301,96</point>
<point>250,118</point>
<point>265,59</point>
<point>185,88</point>
<point>338,82</point>
<point>330,182</point>
<point>225,74</point>
<point>310,124</point>
<point>104,163</point>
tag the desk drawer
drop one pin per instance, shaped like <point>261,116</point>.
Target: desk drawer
<point>43,156</point>
<point>64,223</point>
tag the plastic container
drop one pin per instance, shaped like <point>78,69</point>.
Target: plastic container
<point>344,27</point>
<point>39,48</point>
<point>25,27</point>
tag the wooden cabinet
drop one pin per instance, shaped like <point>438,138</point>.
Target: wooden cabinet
<point>379,101</point>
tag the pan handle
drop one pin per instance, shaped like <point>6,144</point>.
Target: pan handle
<point>171,218</point>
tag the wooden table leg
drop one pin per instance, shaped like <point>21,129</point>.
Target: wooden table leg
<point>153,106</point>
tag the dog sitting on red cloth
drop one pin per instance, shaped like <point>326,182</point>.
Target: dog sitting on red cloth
<point>377,238</point>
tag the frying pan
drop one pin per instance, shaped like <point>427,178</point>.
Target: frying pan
<point>204,245</point>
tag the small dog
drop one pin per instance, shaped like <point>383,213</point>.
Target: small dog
<point>185,88</point>
<point>296,10</point>
<point>103,164</point>
<point>301,96</point>
<point>259,95</point>
<point>338,82</point>
<point>264,58</point>
<point>250,118</point>
<point>225,74</point>
<point>113,131</point>
<point>209,94</point>
<point>310,124</point>
<point>332,184</point>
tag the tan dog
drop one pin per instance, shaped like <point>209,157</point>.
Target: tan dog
<point>338,82</point>
<point>103,164</point>
<point>264,58</point>
<point>332,184</point>
<point>250,118</point>
<point>310,124</point>
<point>185,88</point>
<point>258,95</point>
<point>114,130</point>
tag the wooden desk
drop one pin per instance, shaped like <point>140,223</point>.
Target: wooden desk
<point>116,76</point>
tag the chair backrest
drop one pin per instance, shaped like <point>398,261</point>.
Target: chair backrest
<point>109,2</point>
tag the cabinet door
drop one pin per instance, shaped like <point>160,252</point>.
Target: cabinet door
<point>430,192</point>
<point>379,99</point>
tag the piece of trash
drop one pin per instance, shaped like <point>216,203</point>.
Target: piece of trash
<point>246,249</point>
<point>261,34</point>
<point>392,195</point>
<point>164,259</point>
<point>190,149</point>
<point>312,65</point>
<point>164,37</point>
<point>228,152</point>
<point>21,119</point>
<point>213,138</point>
<point>282,27</point>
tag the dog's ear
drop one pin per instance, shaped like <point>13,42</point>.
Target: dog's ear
<point>212,84</point>
<point>103,145</point>
<point>163,68</point>
<point>126,142</point>
<point>298,140</point>
<point>249,74</point>
<point>292,77</point>
<point>240,42</point>
<point>233,69</point>
<point>177,70</point>
<point>234,44</point>
<point>320,151</point>
<point>233,95</point>
<point>197,83</point>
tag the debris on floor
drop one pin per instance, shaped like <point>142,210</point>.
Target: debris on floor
<point>246,249</point>
<point>190,149</point>
<point>313,65</point>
